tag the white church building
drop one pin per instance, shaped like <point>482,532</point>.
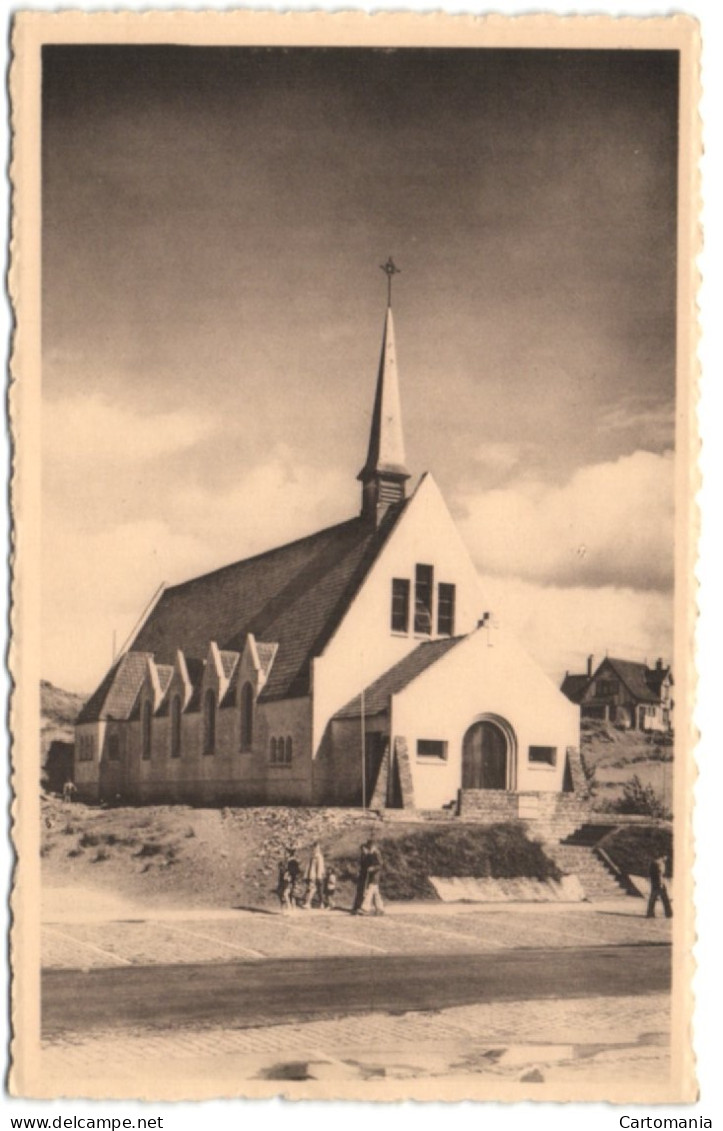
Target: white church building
<point>356,666</point>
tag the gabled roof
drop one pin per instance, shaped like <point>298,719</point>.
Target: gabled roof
<point>574,686</point>
<point>165,675</point>
<point>266,653</point>
<point>634,676</point>
<point>116,696</point>
<point>655,678</point>
<point>228,662</point>
<point>378,693</point>
<point>295,595</point>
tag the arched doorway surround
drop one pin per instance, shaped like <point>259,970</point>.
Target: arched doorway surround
<point>489,754</point>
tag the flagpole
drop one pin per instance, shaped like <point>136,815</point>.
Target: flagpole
<point>363,755</point>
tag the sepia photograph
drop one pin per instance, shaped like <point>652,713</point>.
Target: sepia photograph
<point>354,426</point>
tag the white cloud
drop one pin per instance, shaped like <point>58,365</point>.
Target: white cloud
<point>97,582</point>
<point>274,502</point>
<point>89,430</point>
<point>498,456</point>
<point>610,524</point>
<point>652,424</point>
<point>560,626</point>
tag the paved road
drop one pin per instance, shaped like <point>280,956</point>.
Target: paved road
<point>273,991</point>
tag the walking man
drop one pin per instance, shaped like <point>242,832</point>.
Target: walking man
<point>372,896</point>
<point>361,884</point>
<point>659,888</point>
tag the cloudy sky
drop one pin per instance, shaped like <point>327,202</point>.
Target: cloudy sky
<point>212,315</point>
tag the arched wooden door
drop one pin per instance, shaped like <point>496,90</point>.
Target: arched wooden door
<point>484,756</point>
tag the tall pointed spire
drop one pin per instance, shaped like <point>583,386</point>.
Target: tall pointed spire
<point>385,472</point>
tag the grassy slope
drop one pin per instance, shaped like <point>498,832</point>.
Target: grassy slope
<point>463,850</point>
<point>633,848</point>
<point>58,712</point>
<point>617,755</point>
<point>229,857</point>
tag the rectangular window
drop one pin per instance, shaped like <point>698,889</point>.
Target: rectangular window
<point>431,748</point>
<point>606,687</point>
<point>85,750</point>
<point>542,755</point>
<point>445,610</point>
<point>423,586</point>
<point>113,748</point>
<point>400,604</point>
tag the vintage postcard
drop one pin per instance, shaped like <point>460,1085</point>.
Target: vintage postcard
<point>353,402</point>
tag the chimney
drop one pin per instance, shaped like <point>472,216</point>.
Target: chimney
<point>589,665</point>
<point>659,664</point>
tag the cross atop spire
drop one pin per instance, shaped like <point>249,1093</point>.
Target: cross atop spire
<point>390,269</point>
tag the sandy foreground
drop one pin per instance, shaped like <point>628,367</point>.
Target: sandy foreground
<point>586,1043</point>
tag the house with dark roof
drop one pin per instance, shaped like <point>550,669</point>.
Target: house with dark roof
<point>356,666</point>
<point>625,693</point>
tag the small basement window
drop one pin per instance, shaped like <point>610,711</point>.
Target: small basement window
<point>542,755</point>
<point>432,748</point>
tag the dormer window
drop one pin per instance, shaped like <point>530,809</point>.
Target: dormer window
<point>423,587</point>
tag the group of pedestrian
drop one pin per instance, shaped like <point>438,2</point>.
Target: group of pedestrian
<point>316,887</point>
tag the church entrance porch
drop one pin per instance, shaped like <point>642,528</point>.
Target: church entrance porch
<point>488,755</point>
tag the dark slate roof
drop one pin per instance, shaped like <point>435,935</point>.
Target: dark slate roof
<point>195,668</point>
<point>574,685</point>
<point>117,694</point>
<point>295,596</point>
<point>378,694</point>
<point>655,677</point>
<point>634,676</point>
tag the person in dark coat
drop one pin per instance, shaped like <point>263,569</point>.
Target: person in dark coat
<point>659,888</point>
<point>289,872</point>
<point>361,884</point>
<point>372,896</point>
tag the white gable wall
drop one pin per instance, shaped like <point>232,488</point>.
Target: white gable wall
<point>489,673</point>
<point>364,645</point>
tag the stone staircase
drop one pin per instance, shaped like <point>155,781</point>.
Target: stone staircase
<point>577,855</point>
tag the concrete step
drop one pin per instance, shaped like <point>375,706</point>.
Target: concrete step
<point>598,881</point>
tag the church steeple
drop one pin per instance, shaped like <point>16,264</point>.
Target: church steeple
<point>385,472</point>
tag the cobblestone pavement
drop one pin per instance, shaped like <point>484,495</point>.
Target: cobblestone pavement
<point>589,1040</point>
<point>580,1042</point>
<point>75,939</point>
